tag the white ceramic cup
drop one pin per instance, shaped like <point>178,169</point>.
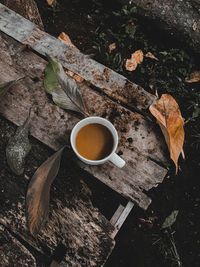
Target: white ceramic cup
<point>113,157</point>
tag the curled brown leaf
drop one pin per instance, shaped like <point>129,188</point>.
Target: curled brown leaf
<point>136,58</point>
<point>150,55</point>
<point>37,197</point>
<point>194,77</point>
<point>168,115</point>
<point>112,47</point>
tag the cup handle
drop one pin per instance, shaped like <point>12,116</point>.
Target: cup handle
<point>117,161</point>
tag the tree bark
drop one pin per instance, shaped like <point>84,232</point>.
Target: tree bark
<point>26,8</point>
<point>180,17</point>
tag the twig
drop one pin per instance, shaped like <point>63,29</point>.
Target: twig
<point>175,252</point>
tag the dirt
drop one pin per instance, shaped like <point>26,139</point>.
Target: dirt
<point>139,243</point>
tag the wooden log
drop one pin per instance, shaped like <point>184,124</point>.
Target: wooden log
<point>181,18</point>
<point>27,8</point>
<point>73,220</point>
<point>12,252</point>
<point>140,145</point>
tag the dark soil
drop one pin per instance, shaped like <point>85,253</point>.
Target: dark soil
<point>92,26</point>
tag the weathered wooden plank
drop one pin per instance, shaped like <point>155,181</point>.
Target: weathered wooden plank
<point>124,215</point>
<point>12,252</point>
<point>138,142</point>
<point>73,221</point>
<point>50,124</point>
<point>26,8</point>
<point>12,22</point>
<point>117,214</point>
<point>120,216</point>
<point>102,77</point>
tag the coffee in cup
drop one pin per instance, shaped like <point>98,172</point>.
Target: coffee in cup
<point>95,140</point>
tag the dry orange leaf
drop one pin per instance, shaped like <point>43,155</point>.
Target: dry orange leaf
<point>150,55</point>
<point>75,76</point>
<point>64,37</point>
<point>168,115</point>
<point>136,58</point>
<point>194,77</point>
<point>50,2</point>
<point>112,47</point>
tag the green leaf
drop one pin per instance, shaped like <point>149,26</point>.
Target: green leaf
<point>164,53</point>
<point>170,220</point>
<point>133,9</point>
<point>37,197</point>
<point>5,86</point>
<point>50,81</point>
<point>196,112</point>
<point>62,87</point>
<point>18,148</point>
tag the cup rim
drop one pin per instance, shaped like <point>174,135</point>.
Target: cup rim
<point>114,137</point>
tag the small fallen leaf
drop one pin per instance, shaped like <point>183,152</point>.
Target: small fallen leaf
<point>168,115</point>
<point>150,55</point>
<point>18,148</point>
<point>78,78</point>
<point>74,76</point>
<point>170,220</point>
<point>194,77</point>
<point>50,2</point>
<point>63,88</point>
<point>65,38</point>
<point>70,73</point>
<point>4,9</point>
<point>5,86</point>
<point>37,197</point>
<point>136,58</point>
<point>194,26</point>
<point>112,47</point>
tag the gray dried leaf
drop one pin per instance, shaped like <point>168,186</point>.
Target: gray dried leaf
<point>170,220</point>
<point>62,87</point>
<point>18,148</point>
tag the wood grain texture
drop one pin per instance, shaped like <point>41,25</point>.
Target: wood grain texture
<point>73,220</point>
<point>97,74</point>
<point>12,252</point>
<point>140,144</point>
<point>26,8</point>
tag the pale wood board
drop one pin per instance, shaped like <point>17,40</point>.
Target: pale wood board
<point>52,125</point>
<point>124,215</point>
<point>97,74</point>
<point>27,9</point>
<point>117,214</point>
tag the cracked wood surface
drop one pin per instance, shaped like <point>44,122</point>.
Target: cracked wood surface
<point>73,221</point>
<point>139,141</point>
<point>16,254</point>
<point>26,8</point>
